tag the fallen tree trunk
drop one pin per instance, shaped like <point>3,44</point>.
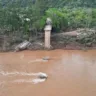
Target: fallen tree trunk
<point>22,46</point>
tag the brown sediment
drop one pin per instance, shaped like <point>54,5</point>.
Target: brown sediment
<point>70,73</point>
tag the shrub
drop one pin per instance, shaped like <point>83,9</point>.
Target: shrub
<point>66,18</point>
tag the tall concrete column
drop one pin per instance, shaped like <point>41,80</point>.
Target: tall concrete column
<point>48,29</point>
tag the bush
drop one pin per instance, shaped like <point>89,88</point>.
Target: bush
<point>59,19</point>
<point>23,19</point>
<point>66,18</point>
<point>20,20</point>
<point>87,37</point>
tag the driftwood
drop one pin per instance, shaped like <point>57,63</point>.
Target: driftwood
<point>22,45</point>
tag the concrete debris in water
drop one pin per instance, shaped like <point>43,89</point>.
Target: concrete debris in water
<point>41,75</point>
<point>46,58</point>
<point>22,46</point>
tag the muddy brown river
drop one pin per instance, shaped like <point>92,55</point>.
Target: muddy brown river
<point>70,73</point>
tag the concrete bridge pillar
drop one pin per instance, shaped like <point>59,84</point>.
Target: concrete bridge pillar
<point>47,30</point>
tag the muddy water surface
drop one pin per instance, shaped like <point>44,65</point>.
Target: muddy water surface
<point>70,73</point>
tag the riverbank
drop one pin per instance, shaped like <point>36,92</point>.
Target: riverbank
<point>80,40</point>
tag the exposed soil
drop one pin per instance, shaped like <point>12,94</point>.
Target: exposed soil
<point>67,40</point>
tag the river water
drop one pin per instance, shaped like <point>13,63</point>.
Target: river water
<point>70,73</point>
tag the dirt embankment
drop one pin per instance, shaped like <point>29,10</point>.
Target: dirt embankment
<point>81,39</point>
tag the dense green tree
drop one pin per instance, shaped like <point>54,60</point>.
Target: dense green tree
<point>26,15</point>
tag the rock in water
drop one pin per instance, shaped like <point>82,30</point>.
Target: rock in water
<point>46,58</point>
<point>42,75</point>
